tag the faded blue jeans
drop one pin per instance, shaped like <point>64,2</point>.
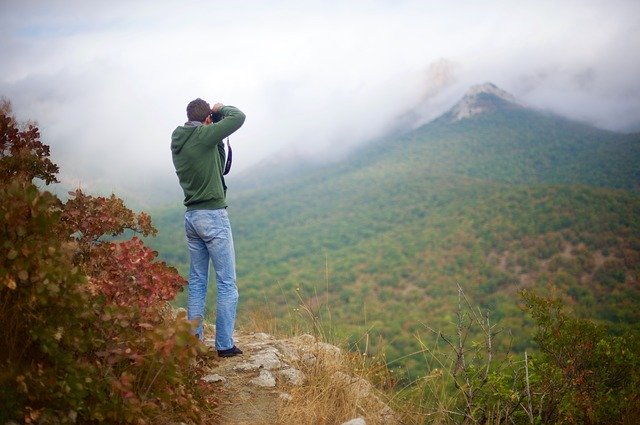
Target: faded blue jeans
<point>209,237</point>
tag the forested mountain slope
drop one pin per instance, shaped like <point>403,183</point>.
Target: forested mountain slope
<point>492,196</point>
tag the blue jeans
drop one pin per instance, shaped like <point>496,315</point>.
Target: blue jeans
<point>209,237</point>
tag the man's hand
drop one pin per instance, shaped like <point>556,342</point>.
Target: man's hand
<point>216,108</point>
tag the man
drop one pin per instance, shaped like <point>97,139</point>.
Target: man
<point>198,154</point>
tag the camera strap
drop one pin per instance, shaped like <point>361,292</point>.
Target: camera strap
<point>227,166</point>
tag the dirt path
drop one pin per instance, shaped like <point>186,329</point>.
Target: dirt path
<point>252,384</point>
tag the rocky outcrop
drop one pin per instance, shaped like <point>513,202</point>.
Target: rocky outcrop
<point>258,383</point>
<point>481,98</point>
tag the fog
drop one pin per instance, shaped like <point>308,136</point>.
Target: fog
<point>107,82</point>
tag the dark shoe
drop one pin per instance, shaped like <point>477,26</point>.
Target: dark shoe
<point>233,351</point>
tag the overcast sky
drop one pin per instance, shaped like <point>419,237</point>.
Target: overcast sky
<point>108,81</point>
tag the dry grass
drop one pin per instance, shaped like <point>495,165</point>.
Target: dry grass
<point>338,384</point>
<point>262,320</point>
<point>337,389</point>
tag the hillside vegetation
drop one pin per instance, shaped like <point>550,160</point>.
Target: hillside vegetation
<point>503,200</point>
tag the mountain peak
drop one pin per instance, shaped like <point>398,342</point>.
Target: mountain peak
<point>489,88</point>
<point>481,98</point>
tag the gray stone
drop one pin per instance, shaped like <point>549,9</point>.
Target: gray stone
<point>246,367</point>
<point>214,377</point>
<point>288,351</point>
<point>262,336</point>
<point>356,421</point>
<point>283,396</point>
<point>329,350</point>
<point>258,346</point>
<point>304,339</point>
<point>308,359</point>
<point>306,348</point>
<point>293,376</point>
<point>358,386</point>
<point>267,359</point>
<point>388,416</point>
<point>265,379</point>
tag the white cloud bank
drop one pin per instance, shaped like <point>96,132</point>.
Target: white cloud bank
<point>108,81</point>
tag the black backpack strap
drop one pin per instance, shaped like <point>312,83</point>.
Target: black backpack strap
<point>227,166</point>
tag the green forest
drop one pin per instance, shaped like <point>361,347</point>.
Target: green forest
<point>375,246</point>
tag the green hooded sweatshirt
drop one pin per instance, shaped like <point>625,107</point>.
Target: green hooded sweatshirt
<point>198,156</point>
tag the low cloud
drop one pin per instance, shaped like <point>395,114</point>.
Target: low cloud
<point>109,82</point>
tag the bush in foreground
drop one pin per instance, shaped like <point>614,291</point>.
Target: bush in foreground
<point>583,374</point>
<point>580,375</point>
<point>86,337</point>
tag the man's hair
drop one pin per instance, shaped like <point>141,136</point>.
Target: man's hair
<point>198,110</point>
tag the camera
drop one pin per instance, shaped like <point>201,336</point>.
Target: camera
<point>216,116</point>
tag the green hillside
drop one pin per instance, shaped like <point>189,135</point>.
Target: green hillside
<point>505,199</point>
<point>520,145</point>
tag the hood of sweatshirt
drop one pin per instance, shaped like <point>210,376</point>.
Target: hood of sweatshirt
<point>182,134</point>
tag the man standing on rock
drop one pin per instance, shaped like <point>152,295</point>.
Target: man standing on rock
<point>198,153</point>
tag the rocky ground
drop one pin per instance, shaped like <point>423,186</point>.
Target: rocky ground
<point>273,380</point>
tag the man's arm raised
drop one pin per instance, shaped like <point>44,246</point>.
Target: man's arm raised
<point>232,119</point>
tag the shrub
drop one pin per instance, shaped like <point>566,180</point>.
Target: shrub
<point>86,335</point>
<point>46,313</point>
<point>584,374</point>
<point>581,374</point>
<point>470,378</point>
<point>125,272</point>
